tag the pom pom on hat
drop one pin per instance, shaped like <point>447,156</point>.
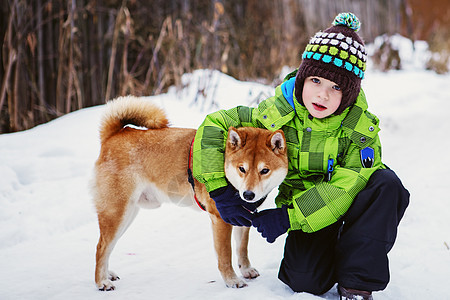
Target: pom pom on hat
<point>347,19</point>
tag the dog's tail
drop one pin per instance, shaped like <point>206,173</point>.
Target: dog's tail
<point>130,110</point>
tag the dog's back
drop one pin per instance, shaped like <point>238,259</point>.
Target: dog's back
<point>147,161</point>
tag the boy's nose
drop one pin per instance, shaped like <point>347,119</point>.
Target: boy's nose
<point>323,94</point>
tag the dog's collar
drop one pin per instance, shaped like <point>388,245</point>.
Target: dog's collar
<point>260,201</point>
<point>253,207</point>
<point>191,177</point>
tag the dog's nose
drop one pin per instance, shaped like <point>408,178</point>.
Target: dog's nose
<point>249,195</point>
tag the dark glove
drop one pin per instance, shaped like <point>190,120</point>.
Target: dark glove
<point>272,223</point>
<point>231,207</point>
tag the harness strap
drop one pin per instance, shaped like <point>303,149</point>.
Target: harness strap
<point>191,177</point>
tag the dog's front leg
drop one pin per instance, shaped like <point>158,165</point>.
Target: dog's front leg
<point>222,244</point>
<point>241,236</point>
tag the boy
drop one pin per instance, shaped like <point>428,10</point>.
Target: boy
<point>339,203</point>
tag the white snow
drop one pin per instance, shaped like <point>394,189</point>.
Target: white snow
<point>49,232</point>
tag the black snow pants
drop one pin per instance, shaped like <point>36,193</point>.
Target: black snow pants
<point>353,251</point>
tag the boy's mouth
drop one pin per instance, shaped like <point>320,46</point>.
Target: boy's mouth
<point>319,107</point>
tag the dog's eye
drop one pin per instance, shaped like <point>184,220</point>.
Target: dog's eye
<point>264,171</point>
<point>242,169</point>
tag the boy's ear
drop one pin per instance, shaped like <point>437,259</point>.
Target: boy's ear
<point>234,138</point>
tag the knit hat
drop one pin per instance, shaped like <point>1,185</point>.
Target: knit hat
<point>337,54</point>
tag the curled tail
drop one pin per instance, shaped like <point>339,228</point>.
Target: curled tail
<point>130,110</point>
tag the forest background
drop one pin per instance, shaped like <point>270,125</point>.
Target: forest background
<point>59,56</point>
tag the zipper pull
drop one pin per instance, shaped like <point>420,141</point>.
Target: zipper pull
<point>330,168</point>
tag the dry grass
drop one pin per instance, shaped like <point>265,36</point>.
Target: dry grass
<point>439,45</point>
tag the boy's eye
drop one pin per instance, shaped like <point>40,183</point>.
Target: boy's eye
<point>337,88</point>
<point>315,80</point>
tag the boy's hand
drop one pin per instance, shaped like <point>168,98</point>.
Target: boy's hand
<point>272,223</point>
<point>231,207</point>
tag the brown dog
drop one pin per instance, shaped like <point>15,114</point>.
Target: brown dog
<point>144,167</point>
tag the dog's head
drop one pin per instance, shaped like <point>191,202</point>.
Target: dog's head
<point>255,161</point>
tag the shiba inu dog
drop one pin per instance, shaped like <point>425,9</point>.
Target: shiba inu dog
<point>144,165</point>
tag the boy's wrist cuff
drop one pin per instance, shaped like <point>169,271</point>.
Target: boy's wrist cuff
<point>214,184</point>
<point>218,191</point>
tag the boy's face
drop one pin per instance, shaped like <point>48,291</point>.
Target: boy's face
<point>321,96</point>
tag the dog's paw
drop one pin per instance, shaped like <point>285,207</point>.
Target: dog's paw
<point>249,272</point>
<point>106,285</point>
<point>235,283</point>
<point>113,276</point>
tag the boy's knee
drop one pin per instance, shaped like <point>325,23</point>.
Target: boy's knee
<point>387,178</point>
<point>391,183</point>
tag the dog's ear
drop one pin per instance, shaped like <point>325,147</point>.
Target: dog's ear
<point>234,138</point>
<point>278,142</point>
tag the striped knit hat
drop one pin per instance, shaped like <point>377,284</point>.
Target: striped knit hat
<point>337,54</point>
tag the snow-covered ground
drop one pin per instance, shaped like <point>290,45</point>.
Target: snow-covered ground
<point>48,226</point>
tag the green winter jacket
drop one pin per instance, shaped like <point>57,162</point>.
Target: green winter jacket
<point>326,169</point>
